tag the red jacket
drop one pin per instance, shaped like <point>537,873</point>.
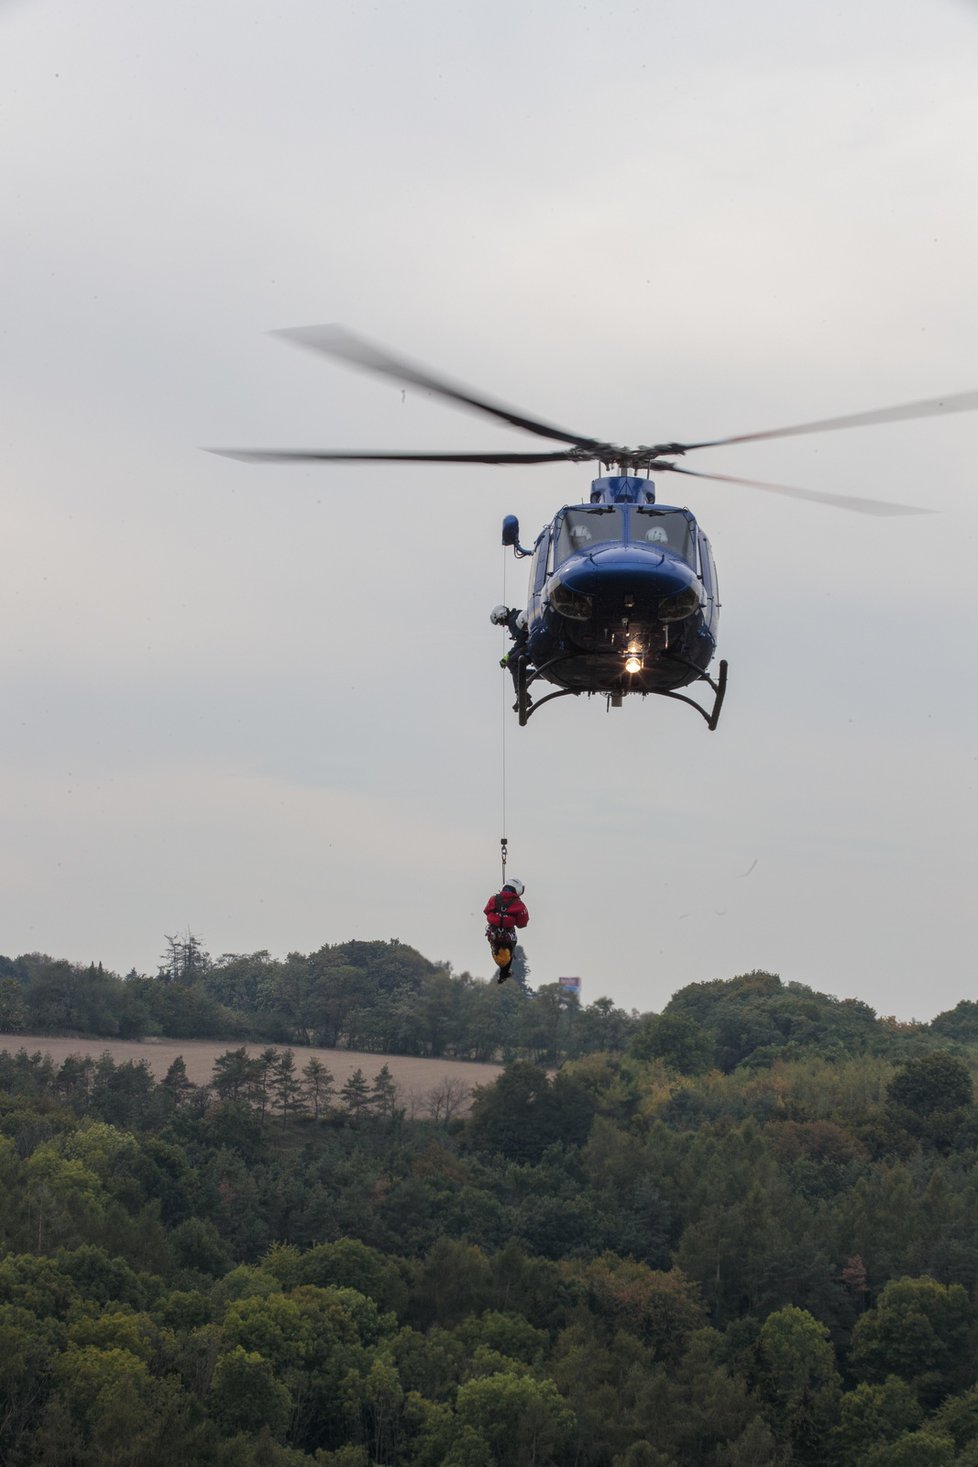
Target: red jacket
<point>506,911</point>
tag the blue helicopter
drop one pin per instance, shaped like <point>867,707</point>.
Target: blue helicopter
<point>622,599</point>
<point>623,591</point>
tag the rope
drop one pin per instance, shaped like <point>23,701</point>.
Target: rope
<point>505,720</point>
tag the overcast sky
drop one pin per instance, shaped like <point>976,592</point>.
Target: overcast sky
<point>262,702</point>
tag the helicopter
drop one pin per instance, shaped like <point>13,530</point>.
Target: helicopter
<point>623,596</point>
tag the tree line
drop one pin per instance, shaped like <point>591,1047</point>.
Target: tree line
<point>377,997</point>
<point>386,998</point>
<point>746,1239</point>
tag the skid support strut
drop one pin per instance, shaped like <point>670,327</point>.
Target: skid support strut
<point>525,706</point>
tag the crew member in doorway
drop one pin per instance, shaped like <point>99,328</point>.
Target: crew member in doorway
<point>515,622</point>
<point>505,912</point>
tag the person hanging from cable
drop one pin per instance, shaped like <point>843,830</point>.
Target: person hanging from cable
<point>515,622</point>
<point>505,912</point>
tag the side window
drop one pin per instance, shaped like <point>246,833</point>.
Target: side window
<point>538,570</point>
<point>709,569</point>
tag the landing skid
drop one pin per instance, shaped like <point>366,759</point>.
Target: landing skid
<point>711,716</point>
<point>525,706</point>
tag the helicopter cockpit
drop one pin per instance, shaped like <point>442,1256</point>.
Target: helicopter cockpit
<point>663,529</point>
<point>588,528</point>
<point>585,529</point>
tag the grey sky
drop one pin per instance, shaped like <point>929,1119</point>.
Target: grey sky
<point>263,702</point>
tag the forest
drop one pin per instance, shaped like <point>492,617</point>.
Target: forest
<point>737,1233</point>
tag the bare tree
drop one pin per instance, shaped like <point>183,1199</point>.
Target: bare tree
<point>448,1098</point>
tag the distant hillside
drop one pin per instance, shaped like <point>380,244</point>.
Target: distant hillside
<point>385,998</point>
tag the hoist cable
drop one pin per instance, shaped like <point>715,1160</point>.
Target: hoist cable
<point>503,838</point>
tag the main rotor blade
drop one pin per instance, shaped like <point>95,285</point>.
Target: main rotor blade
<point>880,507</point>
<point>337,342</point>
<point>931,407</point>
<point>289,455</point>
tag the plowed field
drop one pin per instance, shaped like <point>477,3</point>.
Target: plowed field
<point>416,1079</point>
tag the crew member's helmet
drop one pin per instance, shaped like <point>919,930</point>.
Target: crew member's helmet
<point>517,886</point>
<point>499,616</point>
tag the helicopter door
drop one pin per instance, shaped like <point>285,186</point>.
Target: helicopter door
<point>708,575</point>
<point>538,573</point>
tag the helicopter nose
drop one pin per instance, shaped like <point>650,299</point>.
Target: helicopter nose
<point>622,573</point>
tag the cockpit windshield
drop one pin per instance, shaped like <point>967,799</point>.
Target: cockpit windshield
<point>666,529</point>
<point>584,529</point>
<point>588,527</point>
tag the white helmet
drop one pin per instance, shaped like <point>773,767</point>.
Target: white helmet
<point>516,886</point>
<point>499,616</point>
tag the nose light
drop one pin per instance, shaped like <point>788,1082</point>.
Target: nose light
<point>676,608</point>
<point>633,665</point>
<point>572,604</point>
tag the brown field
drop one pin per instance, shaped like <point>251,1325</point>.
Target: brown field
<point>415,1078</point>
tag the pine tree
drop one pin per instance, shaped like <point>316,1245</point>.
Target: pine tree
<point>318,1085</point>
<point>265,1066</point>
<point>235,1074</point>
<point>355,1094</point>
<point>176,1083</point>
<point>285,1085</point>
<point>383,1094</point>
<point>185,960</point>
<point>520,971</point>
